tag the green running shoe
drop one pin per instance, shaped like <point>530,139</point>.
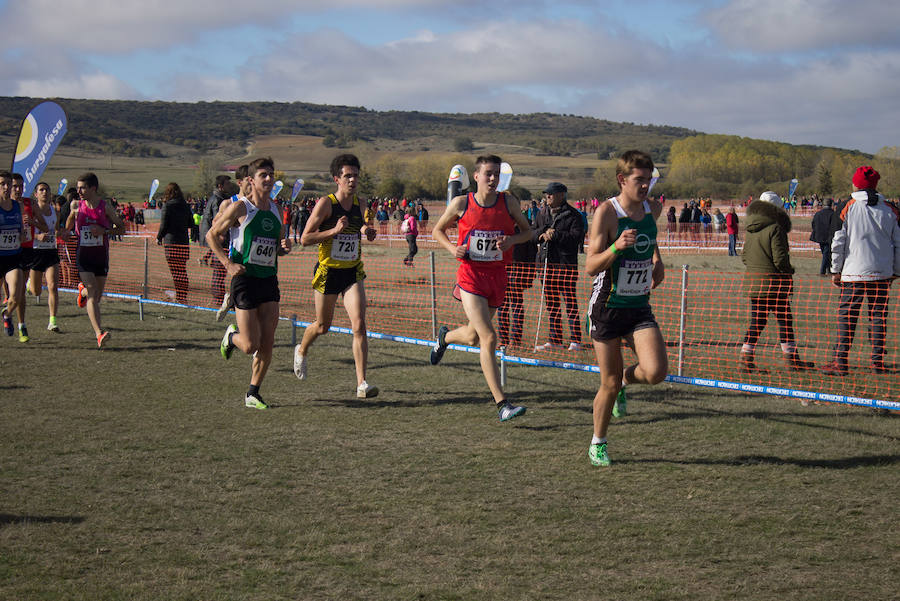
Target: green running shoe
<point>597,455</point>
<point>254,402</point>
<point>23,334</point>
<point>226,347</point>
<point>620,408</point>
<point>507,412</point>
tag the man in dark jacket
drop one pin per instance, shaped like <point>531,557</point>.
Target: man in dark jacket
<point>520,276</point>
<point>221,192</point>
<point>559,232</point>
<point>822,234</point>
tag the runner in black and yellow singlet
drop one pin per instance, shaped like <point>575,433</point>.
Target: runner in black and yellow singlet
<point>337,226</point>
<point>624,257</point>
<point>340,257</point>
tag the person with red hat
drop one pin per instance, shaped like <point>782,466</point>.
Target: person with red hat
<point>865,259</point>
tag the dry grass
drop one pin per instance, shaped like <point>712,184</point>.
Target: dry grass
<point>135,473</point>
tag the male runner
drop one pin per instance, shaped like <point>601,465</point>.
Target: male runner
<point>94,220</point>
<point>11,234</point>
<point>243,191</point>
<point>253,265</point>
<point>44,261</point>
<point>336,224</point>
<point>623,254</point>
<point>486,220</point>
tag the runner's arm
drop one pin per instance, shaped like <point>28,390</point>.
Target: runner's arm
<point>220,229</point>
<point>118,226</point>
<point>600,254</point>
<point>322,211</point>
<point>451,214</point>
<point>73,216</point>
<point>524,234</point>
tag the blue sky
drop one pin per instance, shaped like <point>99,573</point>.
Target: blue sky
<point>802,71</point>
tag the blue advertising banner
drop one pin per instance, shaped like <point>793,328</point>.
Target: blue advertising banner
<point>42,130</point>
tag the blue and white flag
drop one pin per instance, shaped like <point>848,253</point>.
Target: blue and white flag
<point>295,191</point>
<point>62,186</point>
<point>42,130</point>
<point>276,189</point>
<point>792,188</point>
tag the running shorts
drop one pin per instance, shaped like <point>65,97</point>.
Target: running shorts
<point>336,280</point>
<point>249,292</point>
<point>486,282</point>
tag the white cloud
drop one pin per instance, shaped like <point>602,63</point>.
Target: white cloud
<point>795,25</point>
<point>98,86</point>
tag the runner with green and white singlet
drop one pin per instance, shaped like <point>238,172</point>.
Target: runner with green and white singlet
<point>253,265</point>
<point>624,257</point>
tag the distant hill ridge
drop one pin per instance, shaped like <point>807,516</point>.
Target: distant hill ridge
<point>138,128</point>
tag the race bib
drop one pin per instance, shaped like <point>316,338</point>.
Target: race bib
<point>635,278</point>
<point>87,238</point>
<point>345,247</point>
<point>262,251</point>
<point>9,240</point>
<point>483,245</point>
<point>45,244</point>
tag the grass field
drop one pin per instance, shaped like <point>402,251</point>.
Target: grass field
<point>136,473</point>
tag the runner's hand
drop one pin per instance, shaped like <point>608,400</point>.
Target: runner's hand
<point>341,224</point>
<point>461,252</point>
<point>234,269</point>
<point>627,239</point>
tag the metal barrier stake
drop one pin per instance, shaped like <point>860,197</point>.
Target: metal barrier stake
<point>502,367</point>
<point>681,322</point>
<point>141,307</point>
<point>146,267</point>
<point>434,325</point>
<point>293,330</point>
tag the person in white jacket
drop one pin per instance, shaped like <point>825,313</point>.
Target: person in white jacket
<point>865,260</point>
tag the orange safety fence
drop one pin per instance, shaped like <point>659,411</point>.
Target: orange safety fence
<point>704,316</point>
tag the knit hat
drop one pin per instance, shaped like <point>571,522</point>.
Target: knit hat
<point>866,178</point>
<point>770,197</point>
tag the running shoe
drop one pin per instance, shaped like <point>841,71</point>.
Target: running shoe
<point>366,391</point>
<point>620,407</point>
<point>23,333</point>
<point>578,346</point>
<point>437,353</point>
<point>7,323</point>
<point>227,347</point>
<point>81,299</point>
<point>254,401</point>
<point>548,346</point>
<point>53,326</point>
<point>299,363</point>
<point>507,411</point>
<point>102,339</point>
<point>227,305</point>
<point>597,454</point>
<point>835,369</point>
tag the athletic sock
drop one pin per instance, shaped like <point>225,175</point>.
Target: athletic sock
<point>253,391</point>
<point>22,326</point>
<point>598,440</point>
<point>53,320</point>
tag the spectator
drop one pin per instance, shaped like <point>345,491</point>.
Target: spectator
<point>520,276</point>
<point>718,221</point>
<point>560,234</point>
<point>684,220</point>
<point>865,259</point>
<point>671,223</point>
<point>768,281</point>
<point>423,214</point>
<point>174,223</point>
<point>732,227</point>
<point>410,228</point>
<point>220,193</point>
<point>822,235</point>
<point>706,223</point>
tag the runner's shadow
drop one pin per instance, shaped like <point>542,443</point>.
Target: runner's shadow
<point>6,518</point>
<point>842,463</point>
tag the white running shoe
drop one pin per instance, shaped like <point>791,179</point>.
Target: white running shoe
<point>578,346</point>
<point>227,305</point>
<point>299,363</point>
<point>366,391</point>
<point>548,346</point>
